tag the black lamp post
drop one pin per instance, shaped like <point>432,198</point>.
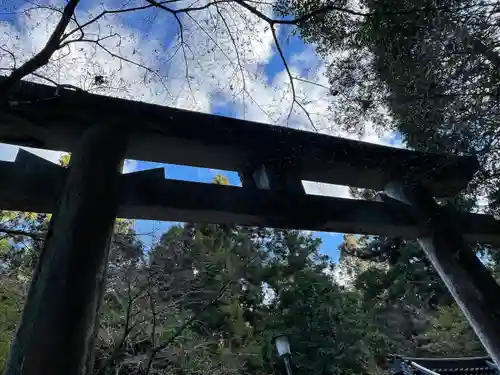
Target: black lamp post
<point>283,348</point>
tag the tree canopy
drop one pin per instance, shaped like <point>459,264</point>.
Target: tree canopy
<point>427,70</point>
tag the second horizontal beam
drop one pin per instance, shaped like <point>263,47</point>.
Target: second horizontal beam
<point>146,196</point>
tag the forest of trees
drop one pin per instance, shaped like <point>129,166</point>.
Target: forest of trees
<point>209,298</point>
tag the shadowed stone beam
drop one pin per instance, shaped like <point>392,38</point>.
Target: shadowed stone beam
<point>148,195</point>
<point>169,135</point>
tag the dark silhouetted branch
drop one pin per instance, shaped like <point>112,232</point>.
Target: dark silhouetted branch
<point>44,55</point>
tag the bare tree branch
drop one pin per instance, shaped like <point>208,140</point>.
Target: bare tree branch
<point>196,316</point>
<point>127,329</point>
<point>332,7</point>
<point>185,325</point>
<point>64,86</point>
<point>187,9</point>
<point>97,42</point>
<point>183,47</point>
<point>312,83</point>
<point>237,58</point>
<point>102,14</point>
<point>255,11</point>
<point>152,306</point>
<point>44,55</point>
<point>285,63</point>
<point>12,56</point>
<point>37,236</point>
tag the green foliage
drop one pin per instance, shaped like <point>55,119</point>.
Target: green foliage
<point>327,322</point>
<point>237,287</point>
<point>12,294</point>
<point>220,180</point>
<point>4,245</point>
<point>64,160</point>
<point>450,335</point>
<point>409,302</point>
<point>20,249</point>
<point>330,330</point>
<point>428,69</point>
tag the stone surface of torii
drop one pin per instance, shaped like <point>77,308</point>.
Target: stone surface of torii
<point>32,184</point>
<point>45,117</point>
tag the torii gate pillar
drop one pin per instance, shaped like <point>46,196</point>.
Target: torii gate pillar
<point>56,332</point>
<point>469,282</point>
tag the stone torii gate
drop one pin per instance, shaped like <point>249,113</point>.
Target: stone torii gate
<point>56,332</point>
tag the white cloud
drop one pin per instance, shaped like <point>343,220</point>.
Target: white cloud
<point>9,152</point>
<point>269,294</point>
<point>330,190</point>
